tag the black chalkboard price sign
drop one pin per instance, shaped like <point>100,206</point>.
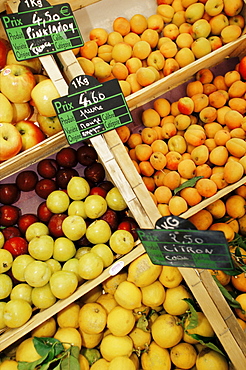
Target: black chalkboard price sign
<point>175,242</point>
<point>40,29</point>
<point>91,108</point>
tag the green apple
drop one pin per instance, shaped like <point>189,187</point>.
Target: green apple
<point>22,291</point>
<point>49,125</point>
<point>54,265</point>
<point>57,201</point>
<point>19,265</point>
<point>16,313</point>
<point>36,229</point>
<point>74,227</point>
<point>72,265</point>
<point>41,247</point>
<point>98,232</point>
<point>64,249</point>
<point>95,206</point>
<point>42,297</point>
<point>78,188</point>
<point>115,200</point>
<point>37,273</point>
<point>6,260</point>
<point>6,285</point>
<point>63,284</point>
<point>121,241</point>
<point>77,207</point>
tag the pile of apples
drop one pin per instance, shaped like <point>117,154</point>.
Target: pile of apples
<point>23,87</point>
<point>77,210</point>
<point>188,149</point>
<point>141,50</point>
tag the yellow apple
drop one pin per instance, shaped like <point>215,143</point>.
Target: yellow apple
<point>42,95</point>
<point>49,125</point>
<point>21,111</point>
<point>34,64</point>
<point>10,141</point>
<point>6,111</point>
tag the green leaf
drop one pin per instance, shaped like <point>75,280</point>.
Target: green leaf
<point>75,351</point>
<point>206,342</point>
<point>45,345</point>
<point>70,363</point>
<point>23,365</point>
<point>193,317</point>
<point>230,299</point>
<point>188,184</point>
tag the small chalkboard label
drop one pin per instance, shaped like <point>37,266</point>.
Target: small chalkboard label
<point>91,108</point>
<point>40,29</point>
<point>172,245</point>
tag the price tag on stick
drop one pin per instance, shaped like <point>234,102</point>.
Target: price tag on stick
<point>176,242</point>
<point>91,108</point>
<point>39,29</point>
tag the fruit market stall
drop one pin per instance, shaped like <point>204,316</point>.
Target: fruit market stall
<point>119,167</point>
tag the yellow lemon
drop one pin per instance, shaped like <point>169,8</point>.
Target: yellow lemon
<point>174,303</point>
<point>90,340</point>
<point>128,295</point>
<point>183,355</point>
<point>141,338</point>
<point>69,336</point>
<point>153,295</point>
<point>111,284</point>
<point>203,328</point>
<point>142,271</point>
<point>92,318</point>
<point>100,364</point>
<point>83,362</point>
<point>170,276</point>
<point>210,359</point>
<point>112,346</point>
<point>46,329</point>
<point>120,321</point>
<point>121,363</point>
<point>166,331</point>
<point>92,295</point>
<point>9,365</point>
<point>108,301</point>
<point>26,351</point>
<point>69,316</point>
<point>156,358</point>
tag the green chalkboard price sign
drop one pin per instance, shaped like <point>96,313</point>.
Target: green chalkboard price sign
<point>91,108</point>
<point>175,242</point>
<point>39,29</point>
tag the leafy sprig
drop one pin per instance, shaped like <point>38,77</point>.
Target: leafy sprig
<point>53,356</point>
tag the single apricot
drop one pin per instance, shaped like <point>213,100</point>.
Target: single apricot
<point>233,172</point>
<point>221,137</point>
<point>205,75</point>
<point>231,76</point>
<point>143,152</point>
<point>121,25</point>
<point>219,82</point>
<point>168,130</point>
<point>191,196</point>
<point>149,183</point>
<point>124,133</point>
<point>159,146</point>
<point>206,187</point>
<point>148,135</point>
<point>158,160</point>
<point>172,180</point>
<point>238,104</point>
<point>177,205</point>
<point>163,209</point>
<point>134,140</point>
<point>159,178</point>
<point>217,99</point>
<point>162,106</point>
<point>202,219</point>
<point>217,209</point>
<point>200,155</point>
<point>203,170</point>
<point>236,147</point>
<point>211,129</point>
<point>186,168</point>
<point>146,169</point>
<point>210,144</point>
<point>163,194</point>
<point>233,119</point>
<point>173,159</point>
<point>235,206</point>
<point>219,180</point>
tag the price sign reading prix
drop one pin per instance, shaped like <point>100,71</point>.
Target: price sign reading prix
<point>172,245</point>
<point>91,108</point>
<point>40,29</point>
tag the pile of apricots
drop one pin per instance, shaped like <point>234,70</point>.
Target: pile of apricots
<point>140,50</point>
<point>189,149</point>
